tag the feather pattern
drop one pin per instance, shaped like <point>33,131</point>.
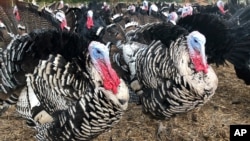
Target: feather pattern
<point>170,84</point>
<point>64,95</point>
<point>162,72</point>
<point>231,41</point>
<point>33,18</point>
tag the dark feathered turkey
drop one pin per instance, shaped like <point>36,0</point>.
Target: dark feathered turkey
<point>87,23</point>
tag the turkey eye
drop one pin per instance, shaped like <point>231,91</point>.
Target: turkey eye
<point>98,51</point>
<point>195,41</point>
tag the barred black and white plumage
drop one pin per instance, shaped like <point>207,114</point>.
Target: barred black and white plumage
<point>5,36</point>
<point>227,40</point>
<point>9,68</point>
<point>164,72</point>
<point>31,17</point>
<point>5,103</point>
<point>70,91</point>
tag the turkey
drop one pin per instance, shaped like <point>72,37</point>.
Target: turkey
<point>5,39</point>
<point>167,67</point>
<point>76,18</point>
<point>172,17</point>
<point>32,18</point>
<point>7,17</point>
<point>106,13</point>
<point>87,22</point>
<point>224,10</point>
<point>69,90</point>
<point>226,40</point>
<point>13,78</point>
<point>218,8</point>
<point>28,18</point>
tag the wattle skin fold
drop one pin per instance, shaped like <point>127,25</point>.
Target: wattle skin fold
<point>111,80</point>
<point>63,24</point>
<point>17,16</point>
<point>90,22</point>
<point>222,10</point>
<point>198,63</point>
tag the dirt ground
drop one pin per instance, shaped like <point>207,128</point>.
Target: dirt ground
<point>230,105</point>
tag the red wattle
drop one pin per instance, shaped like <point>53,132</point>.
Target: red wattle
<point>63,24</point>
<point>111,80</point>
<point>90,22</point>
<point>18,18</point>
<point>199,66</point>
<point>222,10</point>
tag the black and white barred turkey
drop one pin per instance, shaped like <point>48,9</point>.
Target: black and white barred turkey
<point>171,75</point>
<point>165,71</point>
<point>32,17</point>
<point>69,91</point>
<point>25,18</point>
<point>227,40</point>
